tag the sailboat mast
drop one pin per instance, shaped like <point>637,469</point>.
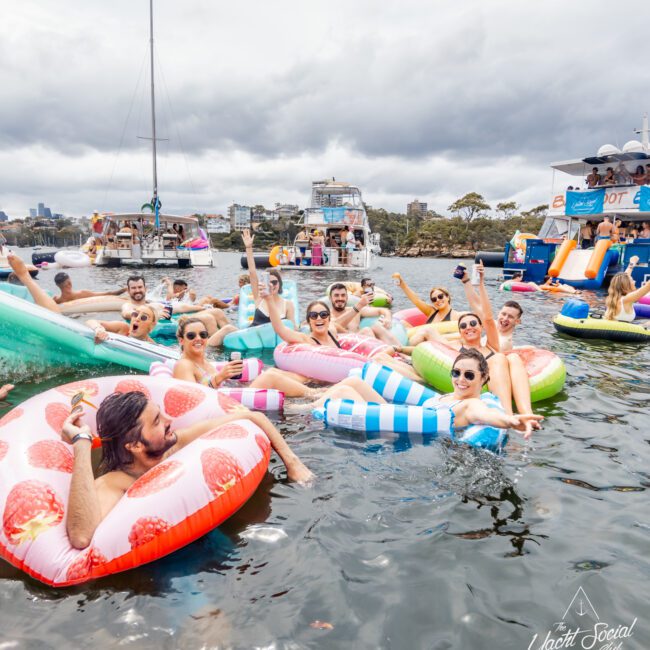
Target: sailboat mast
<point>153,112</point>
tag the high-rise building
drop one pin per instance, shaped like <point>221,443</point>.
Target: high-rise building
<point>416,208</point>
<point>240,216</point>
<point>41,210</point>
<point>32,213</point>
<point>47,213</point>
<point>4,216</point>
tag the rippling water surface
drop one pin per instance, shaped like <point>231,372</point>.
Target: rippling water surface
<point>397,544</point>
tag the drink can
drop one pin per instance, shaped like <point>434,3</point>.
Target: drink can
<point>459,271</point>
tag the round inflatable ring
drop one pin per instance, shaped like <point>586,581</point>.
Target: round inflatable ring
<point>601,329</point>
<point>546,371</point>
<point>522,287</point>
<point>180,499</point>
<point>72,259</point>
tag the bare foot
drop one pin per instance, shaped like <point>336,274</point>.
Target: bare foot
<point>4,391</point>
<point>18,266</point>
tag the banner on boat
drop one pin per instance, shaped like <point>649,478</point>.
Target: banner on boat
<point>644,198</point>
<point>587,202</point>
<point>343,215</point>
<point>615,199</point>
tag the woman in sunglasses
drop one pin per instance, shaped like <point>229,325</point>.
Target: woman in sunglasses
<point>193,366</point>
<point>437,312</point>
<point>261,315</point>
<point>143,320</point>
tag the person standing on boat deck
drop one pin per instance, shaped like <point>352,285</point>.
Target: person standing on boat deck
<point>350,246</point>
<point>135,437</point>
<point>285,307</point>
<point>64,283</point>
<point>605,228</point>
<point>639,176</point>
<point>343,235</point>
<point>609,177</point>
<point>623,177</point>
<point>587,234</point>
<point>594,179</point>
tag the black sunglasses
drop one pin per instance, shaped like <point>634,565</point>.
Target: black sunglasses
<point>440,296</point>
<point>470,375</point>
<point>143,317</point>
<point>464,325</point>
<point>313,315</point>
<point>190,336</point>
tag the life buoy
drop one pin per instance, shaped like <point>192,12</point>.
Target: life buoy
<point>72,259</point>
<point>174,503</point>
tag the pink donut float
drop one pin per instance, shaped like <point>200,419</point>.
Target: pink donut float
<point>174,503</point>
<point>522,287</point>
<point>327,364</point>
<point>258,399</point>
<point>412,316</point>
<point>252,368</point>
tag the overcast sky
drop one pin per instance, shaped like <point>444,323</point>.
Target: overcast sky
<point>428,99</point>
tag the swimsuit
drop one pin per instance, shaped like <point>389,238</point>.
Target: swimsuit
<point>624,316</point>
<point>260,318</point>
<point>435,313</point>
<point>338,345</point>
<point>464,349</point>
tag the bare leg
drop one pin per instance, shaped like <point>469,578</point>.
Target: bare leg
<point>384,335</point>
<point>520,384</point>
<point>291,384</point>
<point>352,388</point>
<point>39,295</point>
<point>499,383</point>
<point>4,391</point>
<point>216,340</point>
<point>398,366</point>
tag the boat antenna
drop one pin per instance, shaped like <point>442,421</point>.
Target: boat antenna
<point>644,131</point>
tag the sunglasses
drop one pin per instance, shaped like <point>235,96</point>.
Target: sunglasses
<point>440,296</point>
<point>470,375</point>
<point>79,398</point>
<point>143,317</point>
<point>313,315</point>
<point>190,336</point>
<point>274,282</point>
<point>465,325</point>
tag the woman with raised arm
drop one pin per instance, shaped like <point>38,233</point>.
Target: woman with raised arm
<point>623,294</point>
<point>285,307</point>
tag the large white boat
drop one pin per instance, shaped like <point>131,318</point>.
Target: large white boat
<point>150,238</point>
<point>134,238</point>
<point>336,209</point>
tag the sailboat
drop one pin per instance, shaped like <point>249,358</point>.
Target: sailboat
<point>150,237</point>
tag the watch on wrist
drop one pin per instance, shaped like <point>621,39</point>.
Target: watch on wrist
<point>82,436</point>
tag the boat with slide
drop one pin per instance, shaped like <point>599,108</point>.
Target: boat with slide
<point>334,206</point>
<point>560,249</point>
<point>149,237</point>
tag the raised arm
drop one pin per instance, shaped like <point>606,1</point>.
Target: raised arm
<point>486,312</point>
<point>40,297</point>
<point>424,307</point>
<point>474,411</point>
<point>284,332</point>
<point>637,294</point>
<point>473,299</point>
<point>250,258</point>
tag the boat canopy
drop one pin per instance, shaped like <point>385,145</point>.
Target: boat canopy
<point>148,217</point>
<point>582,166</point>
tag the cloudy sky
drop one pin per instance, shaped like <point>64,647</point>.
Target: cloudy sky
<point>410,98</point>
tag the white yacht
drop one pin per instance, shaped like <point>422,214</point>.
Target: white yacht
<point>335,206</point>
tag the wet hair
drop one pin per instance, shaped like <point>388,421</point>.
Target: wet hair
<point>245,278</point>
<point>312,304</point>
<point>517,274</point>
<point>515,305</point>
<point>135,278</point>
<point>434,289</point>
<point>184,322</point>
<point>180,283</point>
<point>117,425</point>
<point>276,274</point>
<point>365,281</point>
<point>60,278</point>
<point>475,355</point>
<point>468,314</point>
<point>337,286</point>
<point>620,286</point>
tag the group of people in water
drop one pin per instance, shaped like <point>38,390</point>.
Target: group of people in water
<point>136,435</point>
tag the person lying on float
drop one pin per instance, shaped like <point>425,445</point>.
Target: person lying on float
<point>135,437</point>
<point>141,323</point>
<point>348,318</point>
<point>64,284</point>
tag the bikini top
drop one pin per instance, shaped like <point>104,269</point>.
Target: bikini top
<point>338,345</point>
<point>464,349</point>
<point>435,313</point>
<point>260,318</point>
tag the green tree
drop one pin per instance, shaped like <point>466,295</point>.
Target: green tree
<point>470,206</point>
<point>507,209</point>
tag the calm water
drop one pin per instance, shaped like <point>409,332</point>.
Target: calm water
<point>397,545</point>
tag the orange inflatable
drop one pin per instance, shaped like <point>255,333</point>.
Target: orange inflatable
<point>561,256</point>
<point>597,257</point>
